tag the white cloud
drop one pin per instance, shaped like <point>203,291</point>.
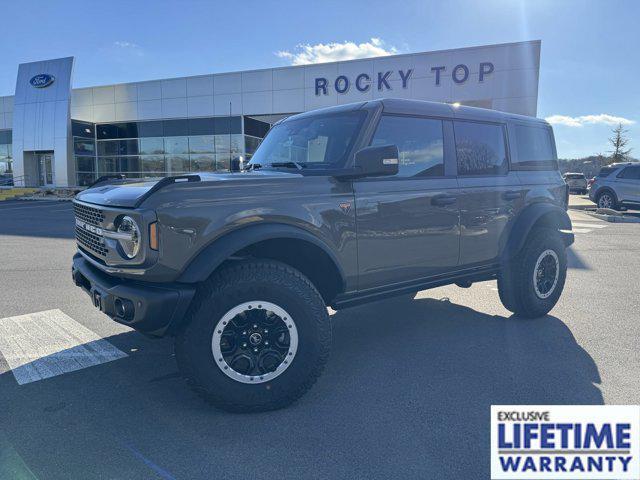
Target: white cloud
<point>601,119</point>
<point>131,47</point>
<point>334,52</point>
<point>125,44</point>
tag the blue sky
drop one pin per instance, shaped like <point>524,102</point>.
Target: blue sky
<point>589,66</point>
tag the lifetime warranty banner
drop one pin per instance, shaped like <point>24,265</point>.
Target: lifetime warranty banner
<point>565,442</point>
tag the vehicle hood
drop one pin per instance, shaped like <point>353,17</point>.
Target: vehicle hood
<point>131,193</point>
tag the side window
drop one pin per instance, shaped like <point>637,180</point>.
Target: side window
<point>420,144</point>
<point>480,148</point>
<point>534,147</point>
<point>630,173</point>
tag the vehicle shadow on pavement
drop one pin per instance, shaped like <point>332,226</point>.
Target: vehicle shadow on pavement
<point>406,394</point>
<point>575,261</point>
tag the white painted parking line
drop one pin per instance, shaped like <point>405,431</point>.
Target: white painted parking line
<point>45,344</point>
<point>581,230</point>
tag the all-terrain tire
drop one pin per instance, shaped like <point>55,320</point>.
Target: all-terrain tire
<point>516,284</point>
<point>254,281</point>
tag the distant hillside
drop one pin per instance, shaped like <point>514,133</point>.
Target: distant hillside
<point>590,166</point>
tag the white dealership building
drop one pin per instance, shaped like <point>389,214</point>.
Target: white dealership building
<point>52,134</point>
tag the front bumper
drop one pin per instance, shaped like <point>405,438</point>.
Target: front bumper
<point>155,309</point>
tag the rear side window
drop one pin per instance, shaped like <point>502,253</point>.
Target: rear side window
<point>630,173</point>
<point>480,148</point>
<point>606,171</point>
<point>534,148</point>
<point>419,141</point>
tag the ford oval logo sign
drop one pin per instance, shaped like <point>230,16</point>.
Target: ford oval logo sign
<point>41,81</point>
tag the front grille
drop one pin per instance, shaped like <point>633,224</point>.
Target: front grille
<point>91,215</point>
<point>90,241</point>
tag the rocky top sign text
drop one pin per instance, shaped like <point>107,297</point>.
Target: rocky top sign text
<point>363,82</point>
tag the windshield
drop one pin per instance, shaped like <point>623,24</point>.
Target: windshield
<point>321,141</point>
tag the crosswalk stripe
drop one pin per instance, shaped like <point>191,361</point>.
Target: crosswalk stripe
<point>589,225</point>
<point>45,344</point>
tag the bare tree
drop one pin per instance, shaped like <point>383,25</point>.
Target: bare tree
<point>619,143</point>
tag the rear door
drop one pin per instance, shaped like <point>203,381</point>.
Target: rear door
<point>490,194</point>
<point>628,184</point>
<point>408,224</point>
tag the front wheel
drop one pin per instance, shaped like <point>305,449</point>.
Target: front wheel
<point>607,200</point>
<point>530,284</point>
<point>257,337</point>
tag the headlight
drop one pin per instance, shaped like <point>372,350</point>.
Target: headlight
<point>129,238</point>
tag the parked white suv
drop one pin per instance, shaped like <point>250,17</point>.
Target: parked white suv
<point>576,182</point>
<point>616,185</point>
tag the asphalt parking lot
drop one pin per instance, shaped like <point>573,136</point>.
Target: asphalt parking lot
<point>406,393</point>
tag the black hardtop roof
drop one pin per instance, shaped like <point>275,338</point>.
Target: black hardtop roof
<point>422,107</point>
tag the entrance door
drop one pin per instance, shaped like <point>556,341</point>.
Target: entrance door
<point>45,169</point>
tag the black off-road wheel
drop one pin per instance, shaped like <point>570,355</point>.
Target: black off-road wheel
<point>257,337</point>
<point>531,283</point>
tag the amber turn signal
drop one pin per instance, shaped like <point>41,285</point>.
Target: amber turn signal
<point>153,236</point>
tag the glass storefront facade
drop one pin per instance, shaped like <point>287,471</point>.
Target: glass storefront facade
<point>164,147</point>
<point>6,160</point>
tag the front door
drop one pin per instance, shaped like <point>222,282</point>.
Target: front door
<point>408,224</point>
<point>45,169</point>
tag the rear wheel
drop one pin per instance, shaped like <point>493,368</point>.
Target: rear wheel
<point>531,283</point>
<point>257,337</point>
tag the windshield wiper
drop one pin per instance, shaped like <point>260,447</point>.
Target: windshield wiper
<point>289,164</point>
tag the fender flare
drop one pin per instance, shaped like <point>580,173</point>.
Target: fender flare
<point>521,227</point>
<point>213,255</point>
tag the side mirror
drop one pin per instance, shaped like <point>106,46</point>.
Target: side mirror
<point>376,161</point>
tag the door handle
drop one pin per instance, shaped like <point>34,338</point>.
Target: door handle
<point>443,200</point>
<point>511,195</point>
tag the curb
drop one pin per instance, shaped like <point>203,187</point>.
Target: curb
<point>615,218</point>
<point>582,207</point>
<point>45,199</point>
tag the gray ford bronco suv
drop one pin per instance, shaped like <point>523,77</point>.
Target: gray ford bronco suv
<point>337,207</point>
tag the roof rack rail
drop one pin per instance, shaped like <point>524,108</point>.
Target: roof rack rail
<point>104,178</point>
<point>167,181</point>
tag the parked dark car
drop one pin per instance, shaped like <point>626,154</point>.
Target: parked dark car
<point>339,207</point>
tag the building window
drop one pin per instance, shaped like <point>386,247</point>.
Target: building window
<point>176,145</point>
<point>202,144</point>
<point>251,145</point>
<point>151,146</point>
<point>178,164</point>
<point>84,149</point>
<point>480,148</point>
<point>255,128</point>
<point>163,147</point>
<point>6,158</point>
